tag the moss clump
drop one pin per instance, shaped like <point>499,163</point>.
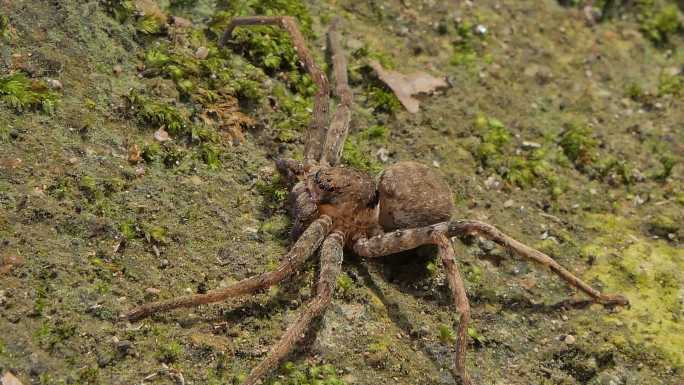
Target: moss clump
<point>6,32</point>
<point>446,334</point>
<point>354,154</point>
<point>579,145</point>
<point>667,163</point>
<point>381,99</point>
<point>344,284</point>
<point>671,85</point>
<point>495,151</point>
<point>307,375</point>
<point>169,352</point>
<point>121,10</point>
<point>158,114</point>
<point>657,20</point>
<point>467,44</point>
<point>268,47</point>
<point>640,269</point>
<point>20,93</point>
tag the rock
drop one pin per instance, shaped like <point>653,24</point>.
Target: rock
<point>383,155</point>
<point>54,84</point>
<point>153,291</point>
<point>161,135</point>
<point>509,203</point>
<point>569,339</point>
<point>202,53</point>
<point>529,145</point>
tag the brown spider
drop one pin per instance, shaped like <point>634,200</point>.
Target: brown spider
<point>335,207</point>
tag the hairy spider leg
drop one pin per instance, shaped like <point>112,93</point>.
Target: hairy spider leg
<point>407,239</point>
<point>458,294</point>
<point>339,126</point>
<point>318,125</point>
<point>331,265</point>
<point>305,246</point>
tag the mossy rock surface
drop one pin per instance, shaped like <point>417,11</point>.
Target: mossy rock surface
<point>136,163</point>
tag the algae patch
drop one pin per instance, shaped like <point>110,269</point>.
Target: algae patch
<point>646,271</point>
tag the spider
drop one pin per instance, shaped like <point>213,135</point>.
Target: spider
<point>336,208</point>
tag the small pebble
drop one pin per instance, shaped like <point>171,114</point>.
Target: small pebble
<point>152,290</point>
<point>569,339</point>
<point>202,53</point>
<point>509,203</point>
<point>54,84</point>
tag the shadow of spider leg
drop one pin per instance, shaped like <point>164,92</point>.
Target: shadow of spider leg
<point>401,240</point>
<point>305,246</point>
<point>331,265</point>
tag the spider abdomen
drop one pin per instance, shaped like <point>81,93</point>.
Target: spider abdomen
<point>412,195</point>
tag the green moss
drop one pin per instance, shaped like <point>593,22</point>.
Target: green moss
<point>20,93</point>
<point>150,25</point>
<point>121,10</point>
<point>446,334</point>
<point>276,226</point>
<point>376,132</point>
<point>268,47</point>
<point>354,155</point>
<point>307,375</point>
<point>210,154</point>
<point>641,269</point>
<point>658,20</point>
<point>671,85</point>
<point>5,28</point>
<point>579,145</point>
<point>381,99</point>
<point>88,186</point>
<point>344,284</point>
<point>157,114</point>
<point>274,190</point>
<point>467,45</point>
<point>169,352</point>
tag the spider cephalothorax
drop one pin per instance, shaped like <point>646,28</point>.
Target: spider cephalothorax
<point>335,207</point>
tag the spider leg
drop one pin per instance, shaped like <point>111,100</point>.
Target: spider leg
<point>331,264</point>
<point>300,252</point>
<point>458,293</point>
<point>339,125</point>
<point>401,240</point>
<point>317,126</point>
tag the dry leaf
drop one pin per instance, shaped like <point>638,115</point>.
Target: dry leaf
<point>134,154</point>
<point>161,135</point>
<point>10,262</point>
<point>9,379</point>
<point>405,86</point>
